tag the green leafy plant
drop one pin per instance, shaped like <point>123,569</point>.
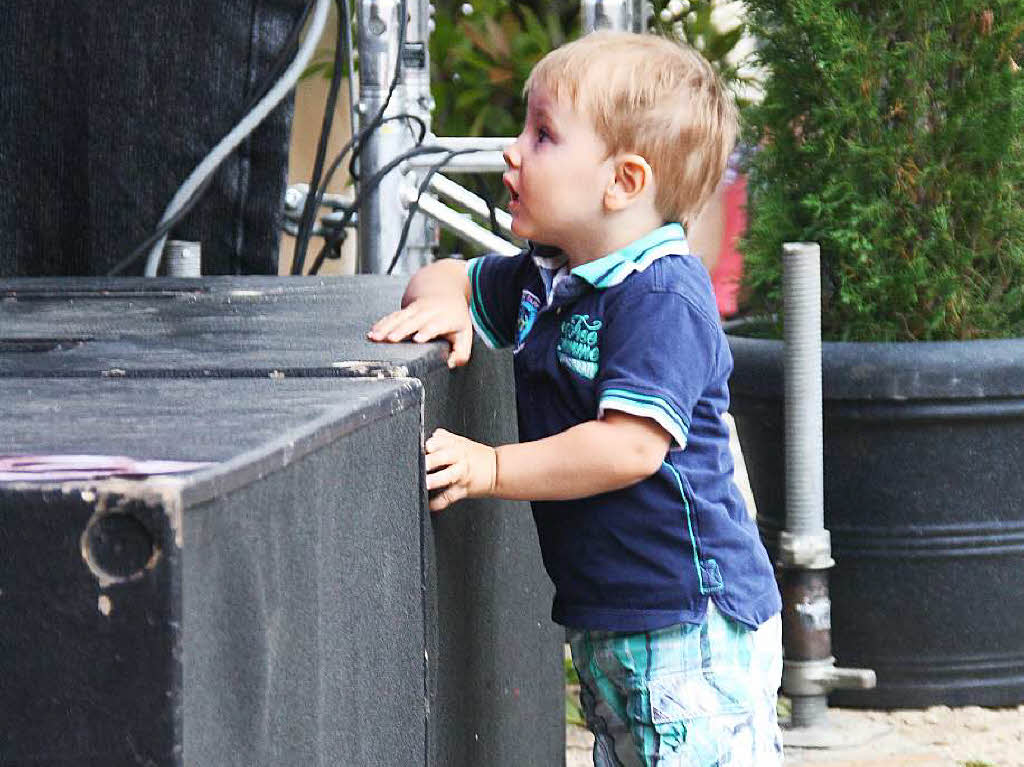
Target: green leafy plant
<point>480,61</point>
<point>694,22</point>
<point>893,135</point>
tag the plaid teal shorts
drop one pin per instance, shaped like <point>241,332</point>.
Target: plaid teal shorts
<point>692,694</point>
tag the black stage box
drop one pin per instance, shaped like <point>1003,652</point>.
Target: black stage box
<point>265,609</point>
<point>213,326</point>
<point>493,687</point>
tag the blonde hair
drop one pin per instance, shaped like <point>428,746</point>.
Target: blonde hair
<point>654,97</point>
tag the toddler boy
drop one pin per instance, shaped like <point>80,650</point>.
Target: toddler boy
<point>621,366</point>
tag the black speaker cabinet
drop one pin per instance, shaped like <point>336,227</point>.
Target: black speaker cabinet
<point>304,607</point>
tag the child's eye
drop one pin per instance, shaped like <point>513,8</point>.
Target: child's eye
<point>542,134</point>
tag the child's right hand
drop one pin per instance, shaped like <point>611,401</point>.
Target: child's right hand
<point>428,318</point>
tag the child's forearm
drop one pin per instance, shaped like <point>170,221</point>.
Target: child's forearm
<point>439,278</point>
<point>590,458</point>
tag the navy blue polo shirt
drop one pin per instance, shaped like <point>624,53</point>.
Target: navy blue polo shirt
<point>636,331</point>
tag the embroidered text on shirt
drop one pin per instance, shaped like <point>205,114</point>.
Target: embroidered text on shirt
<point>578,345</point>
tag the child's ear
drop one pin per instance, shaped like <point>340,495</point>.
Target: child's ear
<point>633,176</point>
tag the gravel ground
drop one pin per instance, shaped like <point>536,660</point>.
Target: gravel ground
<point>934,737</point>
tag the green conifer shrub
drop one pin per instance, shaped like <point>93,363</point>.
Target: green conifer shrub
<point>893,135</point>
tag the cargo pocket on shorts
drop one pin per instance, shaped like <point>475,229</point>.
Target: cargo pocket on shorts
<point>704,715</point>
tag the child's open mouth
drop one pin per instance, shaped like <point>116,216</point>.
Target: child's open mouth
<point>513,194</point>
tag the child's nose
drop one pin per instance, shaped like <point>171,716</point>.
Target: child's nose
<point>511,155</point>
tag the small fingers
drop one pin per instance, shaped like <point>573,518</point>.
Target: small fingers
<point>406,327</point>
<point>438,439</point>
<point>462,343</point>
<point>399,325</point>
<point>384,325</point>
<point>431,329</point>
<point>454,473</point>
<point>446,498</point>
<point>439,457</point>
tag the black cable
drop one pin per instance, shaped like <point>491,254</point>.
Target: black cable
<point>481,189</point>
<point>309,209</point>
<point>423,125</point>
<point>353,173</point>
<point>357,143</point>
<point>344,150</point>
<point>164,228</point>
<point>334,252</point>
<point>283,59</point>
<point>323,253</point>
<point>403,16</point>
<point>369,185</point>
<point>414,205</point>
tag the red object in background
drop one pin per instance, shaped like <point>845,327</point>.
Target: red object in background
<point>725,277</point>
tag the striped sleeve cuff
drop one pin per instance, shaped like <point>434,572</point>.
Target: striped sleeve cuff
<point>646,406</point>
<point>482,322</point>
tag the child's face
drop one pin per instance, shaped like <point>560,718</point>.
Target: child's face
<point>558,169</point>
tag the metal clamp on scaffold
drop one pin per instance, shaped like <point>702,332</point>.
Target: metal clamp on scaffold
<point>820,677</point>
<point>807,550</point>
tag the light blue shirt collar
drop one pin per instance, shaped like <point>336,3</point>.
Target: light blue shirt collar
<point>612,269</point>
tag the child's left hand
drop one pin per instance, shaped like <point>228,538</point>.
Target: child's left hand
<point>459,467</point>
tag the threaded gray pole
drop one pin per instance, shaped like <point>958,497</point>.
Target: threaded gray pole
<point>183,258</point>
<point>808,710</point>
<point>802,333</point>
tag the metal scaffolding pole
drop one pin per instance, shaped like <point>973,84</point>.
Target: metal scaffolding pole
<point>620,15</point>
<point>382,49</point>
<point>422,238</point>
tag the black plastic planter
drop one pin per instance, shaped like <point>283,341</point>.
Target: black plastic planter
<point>924,497</point>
